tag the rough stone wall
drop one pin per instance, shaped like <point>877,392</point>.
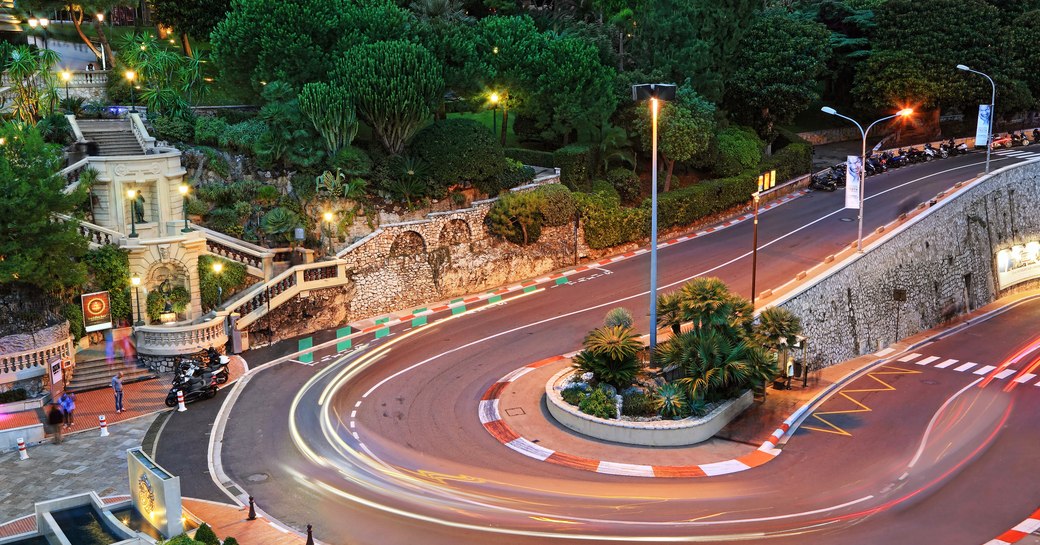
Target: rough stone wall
<point>943,265</point>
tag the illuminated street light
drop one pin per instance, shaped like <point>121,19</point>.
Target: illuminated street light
<point>131,195</point>
<point>327,229</point>
<point>906,112</point>
<point>184,189</point>
<point>136,282</point>
<point>130,76</point>
<point>217,268</point>
<point>494,98</point>
<point>66,76</point>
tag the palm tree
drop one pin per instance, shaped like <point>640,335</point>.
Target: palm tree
<point>32,80</point>
<point>714,367</point>
<point>777,327</point>
<point>668,312</point>
<point>707,302</point>
<point>612,355</point>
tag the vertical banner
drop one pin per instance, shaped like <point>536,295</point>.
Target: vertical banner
<point>982,131</point>
<point>97,311</point>
<point>853,181</point>
<point>57,378</point>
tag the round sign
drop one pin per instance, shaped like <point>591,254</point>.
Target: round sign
<point>97,306</point>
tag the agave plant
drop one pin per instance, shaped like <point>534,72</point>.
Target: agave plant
<point>670,401</point>
<point>618,373</point>
<point>614,342</point>
<point>619,316</point>
<point>280,222</point>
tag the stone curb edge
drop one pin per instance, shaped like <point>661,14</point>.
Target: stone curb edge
<point>1019,532</point>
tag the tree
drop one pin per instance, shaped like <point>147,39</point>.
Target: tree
<point>684,130</point>
<point>34,248</point>
<point>78,11</point>
<point>516,217</point>
<point>29,71</point>
<point>714,366</point>
<point>330,108</point>
<point>109,270</point>
<point>1024,31</point>
<point>196,18</point>
<point>778,63</point>
<point>777,328</point>
<point>396,87</point>
<point>565,66</point>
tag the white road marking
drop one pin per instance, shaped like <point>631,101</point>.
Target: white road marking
<point>632,470</point>
<point>985,369</point>
<point>965,367</point>
<point>1025,378</point>
<point>927,360</point>
<point>910,357</point>
<point>722,468</point>
<point>1006,373</point>
<point>885,352</point>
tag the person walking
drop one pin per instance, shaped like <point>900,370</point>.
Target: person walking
<point>117,389</point>
<point>68,408</point>
<point>55,421</point>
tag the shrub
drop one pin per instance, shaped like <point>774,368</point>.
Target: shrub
<point>686,205</point>
<point>232,278</point>
<point>209,129</point>
<point>612,355</point>
<point>458,151</point>
<point>173,129</point>
<point>671,401</point>
<point>619,316</point>
<point>607,224</point>
<point>230,541</point>
<point>516,217</point>
<point>178,298</point>
<point>216,162</point>
<point>515,174</point>
<point>109,268</point>
<point>11,396</point>
<point>55,129</point>
<point>604,189</point>
<point>197,207</point>
<point>557,204</point>
<point>243,136</point>
<point>738,149</point>
<point>205,535</point>
<point>353,161</point>
<point>638,405</point>
<point>280,223</point>
<point>573,395</point>
<point>598,403</point>
<point>626,184</point>
<point>789,162</point>
<point>530,156</point>
<point>74,314</point>
<point>225,220</point>
<point>575,163</point>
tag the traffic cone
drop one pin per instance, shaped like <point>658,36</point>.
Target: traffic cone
<point>22,454</point>
<point>104,425</point>
<point>180,402</point>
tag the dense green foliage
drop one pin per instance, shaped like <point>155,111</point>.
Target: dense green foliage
<point>516,217</point>
<point>458,152</point>
<point>331,109</point>
<point>557,204</point>
<point>232,278</point>
<point>575,164</point>
<point>611,354</point>
<point>108,269</point>
<point>176,299</point>
<point>638,404</point>
<point>530,157</point>
<point>598,404</point>
<point>204,534</point>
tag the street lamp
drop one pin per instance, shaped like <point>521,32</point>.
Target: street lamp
<point>765,183</point>
<point>43,24</point>
<point>33,23</point>
<point>862,166</point>
<point>131,195</point>
<point>494,112</point>
<point>655,92</point>
<point>327,216</point>
<point>184,195</point>
<point>504,98</point>
<point>136,282</point>
<point>130,76</point>
<point>992,110</point>
<point>217,268</point>
<point>66,76</point>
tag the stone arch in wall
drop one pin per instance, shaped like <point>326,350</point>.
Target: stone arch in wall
<point>454,232</point>
<point>408,243</point>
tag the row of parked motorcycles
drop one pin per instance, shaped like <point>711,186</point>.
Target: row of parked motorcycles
<point>198,380</point>
<point>878,163</point>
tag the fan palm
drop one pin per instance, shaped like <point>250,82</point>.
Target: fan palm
<point>707,302</point>
<point>668,312</point>
<point>714,367</point>
<point>775,323</point>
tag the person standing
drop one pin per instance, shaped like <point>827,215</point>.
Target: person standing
<point>117,389</point>
<point>90,72</point>
<point>54,422</point>
<point>68,406</point>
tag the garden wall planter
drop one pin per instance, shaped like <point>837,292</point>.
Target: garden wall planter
<point>661,433</point>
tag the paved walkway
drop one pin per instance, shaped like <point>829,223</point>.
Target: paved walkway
<point>231,521</point>
<point>83,462</point>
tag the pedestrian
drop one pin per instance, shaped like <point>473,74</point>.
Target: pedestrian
<point>90,72</point>
<point>54,422</point>
<point>117,389</point>
<point>68,406</point>
<point>63,403</point>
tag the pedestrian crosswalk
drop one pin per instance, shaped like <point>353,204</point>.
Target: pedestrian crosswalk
<point>1018,154</point>
<point>969,367</point>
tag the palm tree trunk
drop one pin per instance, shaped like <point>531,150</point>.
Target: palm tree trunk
<point>104,42</point>
<point>185,44</point>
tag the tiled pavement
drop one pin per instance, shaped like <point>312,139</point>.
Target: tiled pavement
<point>84,461</point>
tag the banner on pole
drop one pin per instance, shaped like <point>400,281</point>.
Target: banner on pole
<point>853,168</point>
<point>982,131</point>
<point>97,311</point>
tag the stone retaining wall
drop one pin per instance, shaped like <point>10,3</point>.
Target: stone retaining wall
<point>936,266</point>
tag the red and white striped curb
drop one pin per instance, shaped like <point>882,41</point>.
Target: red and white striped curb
<point>499,429</point>
<point>1017,533</point>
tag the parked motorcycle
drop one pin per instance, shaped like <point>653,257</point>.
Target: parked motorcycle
<point>194,389</point>
<point>1019,140</point>
<point>822,182</point>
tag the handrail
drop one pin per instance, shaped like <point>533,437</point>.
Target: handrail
<point>137,126</point>
<point>75,127</point>
<point>95,233</point>
<point>75,169</point>
<point>35,357</point>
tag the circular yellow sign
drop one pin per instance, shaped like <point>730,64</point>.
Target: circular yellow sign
<point>97,306</point>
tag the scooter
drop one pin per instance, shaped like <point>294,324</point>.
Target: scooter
<point>194,389</point>
<point>822,182</point>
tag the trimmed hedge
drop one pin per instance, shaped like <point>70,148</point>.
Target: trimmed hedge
<point>687,205</point>
<point>790,162</point>
<point>557,204</point>
<point>530,157</point>
<point>458,151</point>
<point>739,149</point>
<point>607,224</point>
<point>575,163</point>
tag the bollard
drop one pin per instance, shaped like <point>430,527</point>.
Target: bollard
<point>104,425</point>
<point>180,402</point>
<point>22,454</point>
<point>252,509</point>
<point>310,536</point>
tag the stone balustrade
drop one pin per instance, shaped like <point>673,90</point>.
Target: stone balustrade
<point>159,340</point>
<point>257,259</point>
<point>257,302</point>
<point>33,362</point>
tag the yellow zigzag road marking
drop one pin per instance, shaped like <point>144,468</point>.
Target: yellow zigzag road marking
<point>861,408</point>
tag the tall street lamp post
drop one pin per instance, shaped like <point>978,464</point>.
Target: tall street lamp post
<point>655,92</point>
<point>136,282</point>
<point>862,165</point>
<point>130,76</point>
<point>494,98</point>
<point>217,268</point>
<point>327,216</point>
<point>765,183</point>
<point>131,195</point>
<point>43,24</point>
<point>66,76</point>
<point>992,110</point>
<point>184,195</point>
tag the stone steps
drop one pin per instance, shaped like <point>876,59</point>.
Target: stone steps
<point>98,373</point>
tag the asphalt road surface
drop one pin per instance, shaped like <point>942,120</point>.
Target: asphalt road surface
<point>385,446</point>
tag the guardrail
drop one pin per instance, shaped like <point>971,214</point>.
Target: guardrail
<point>141,133</point>
<point>156,340</point>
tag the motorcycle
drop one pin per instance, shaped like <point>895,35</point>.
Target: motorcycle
<point>1002,142</point>
<point>931,153</point>
<point>875,165</point>
<point>194,389</point>
<point>1019,140</point>
<point>822,182</point>
<point>900,159</point>
<point>218,365</point>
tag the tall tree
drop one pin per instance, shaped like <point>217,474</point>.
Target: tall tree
<point>196,18</point>
<point>574,89</point>
<point>684,129</point>
<point>79,12</point>
<point>396,86</point>
<point>779,61</point>
<point>34,248</point>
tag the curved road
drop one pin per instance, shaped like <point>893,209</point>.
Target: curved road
<point>385,446</point>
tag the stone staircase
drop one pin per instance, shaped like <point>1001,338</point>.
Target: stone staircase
<point>113,137</point>
<point>95,369</point>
